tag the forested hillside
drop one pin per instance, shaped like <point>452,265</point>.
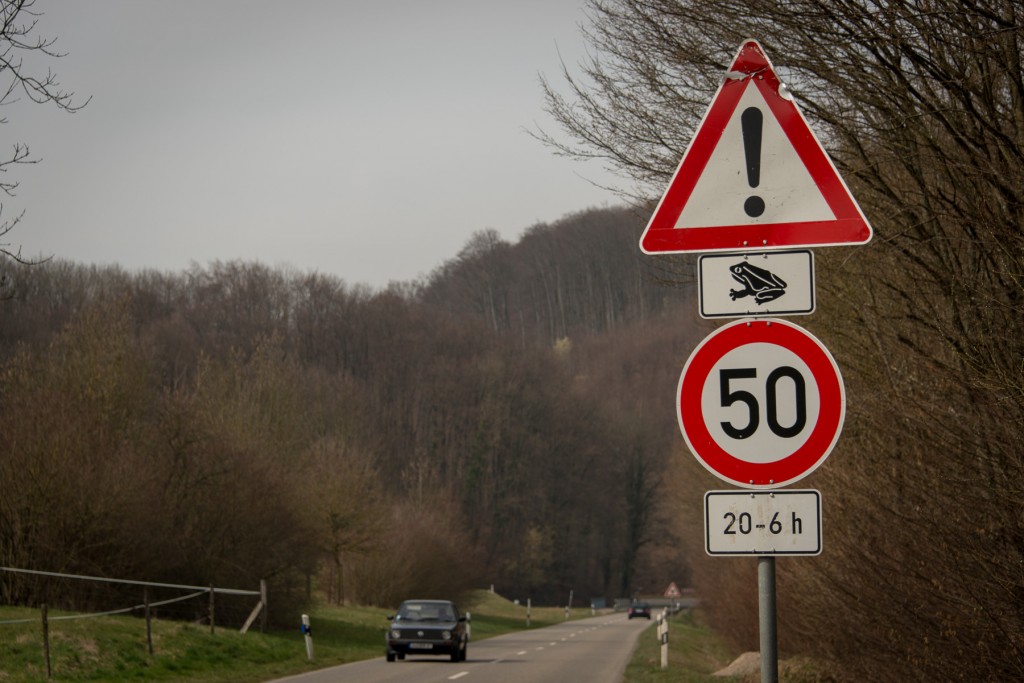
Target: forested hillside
<point>506,421</point>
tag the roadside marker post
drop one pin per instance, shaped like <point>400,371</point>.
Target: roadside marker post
<point>663,637</point>
<point>307,634</point>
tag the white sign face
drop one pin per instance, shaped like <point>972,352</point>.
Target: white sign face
<point>782,522</point>
<point>770,283</point>
<point>789,193</point>
<point>789,401</point>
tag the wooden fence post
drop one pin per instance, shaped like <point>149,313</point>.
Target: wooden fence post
<point>263,599</point>
<point>211,609</point>
<point>46,641</point>
<point>149,623</point>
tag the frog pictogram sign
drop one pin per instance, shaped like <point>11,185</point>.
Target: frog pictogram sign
<point>754,175</point>
<point>771,283</point>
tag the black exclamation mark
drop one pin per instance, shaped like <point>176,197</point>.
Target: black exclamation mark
<point>751,120</point>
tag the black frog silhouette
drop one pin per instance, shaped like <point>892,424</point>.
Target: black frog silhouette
<point>761,284</point>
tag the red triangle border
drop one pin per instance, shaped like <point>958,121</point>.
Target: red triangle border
<point>850,225</point>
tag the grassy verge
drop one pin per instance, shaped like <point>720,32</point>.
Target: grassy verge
<point>114,648</point>
<point>695,653</point>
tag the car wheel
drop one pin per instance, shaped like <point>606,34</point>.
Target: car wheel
<point>390,656</point>
<point>401,655</point>
<point>455,655</point>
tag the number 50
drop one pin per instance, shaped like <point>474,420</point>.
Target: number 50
<point>731,396</point>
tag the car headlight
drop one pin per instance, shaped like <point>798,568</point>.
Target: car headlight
<point>446,635</point>
<point>396,634</point>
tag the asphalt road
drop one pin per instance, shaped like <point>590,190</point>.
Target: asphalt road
<point>594,650</point>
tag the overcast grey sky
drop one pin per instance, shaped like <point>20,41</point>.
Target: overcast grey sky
<point>363,138</point>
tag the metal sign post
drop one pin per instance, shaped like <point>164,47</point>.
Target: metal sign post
<point>767,619</point>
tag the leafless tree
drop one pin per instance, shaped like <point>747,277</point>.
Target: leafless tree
<point>20,38</point>
<point>921,106</point>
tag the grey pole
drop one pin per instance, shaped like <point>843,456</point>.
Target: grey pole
<point>766,612</point>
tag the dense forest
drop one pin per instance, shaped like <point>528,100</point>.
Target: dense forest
<point>507,421</point>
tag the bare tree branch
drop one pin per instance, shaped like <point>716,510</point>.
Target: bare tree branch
<point>18,38</point>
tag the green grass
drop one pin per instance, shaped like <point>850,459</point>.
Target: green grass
<point>114,648</point>
<point>493,615</point>
<point>696,653</point>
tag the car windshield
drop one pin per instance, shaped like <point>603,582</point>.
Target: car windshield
<point>426,611</point>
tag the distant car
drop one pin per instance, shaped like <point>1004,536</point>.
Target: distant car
<point>427,627</point>
<point>640,609</point>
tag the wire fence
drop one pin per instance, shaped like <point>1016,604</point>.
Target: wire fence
<point>198,605</point>
<point>109,613</point>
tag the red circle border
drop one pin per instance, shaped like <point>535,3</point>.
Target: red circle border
<point>831,412</point>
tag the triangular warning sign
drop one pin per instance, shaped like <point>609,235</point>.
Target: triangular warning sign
<point>754,175</point>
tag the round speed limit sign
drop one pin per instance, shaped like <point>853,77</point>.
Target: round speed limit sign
<point>761,403</point>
